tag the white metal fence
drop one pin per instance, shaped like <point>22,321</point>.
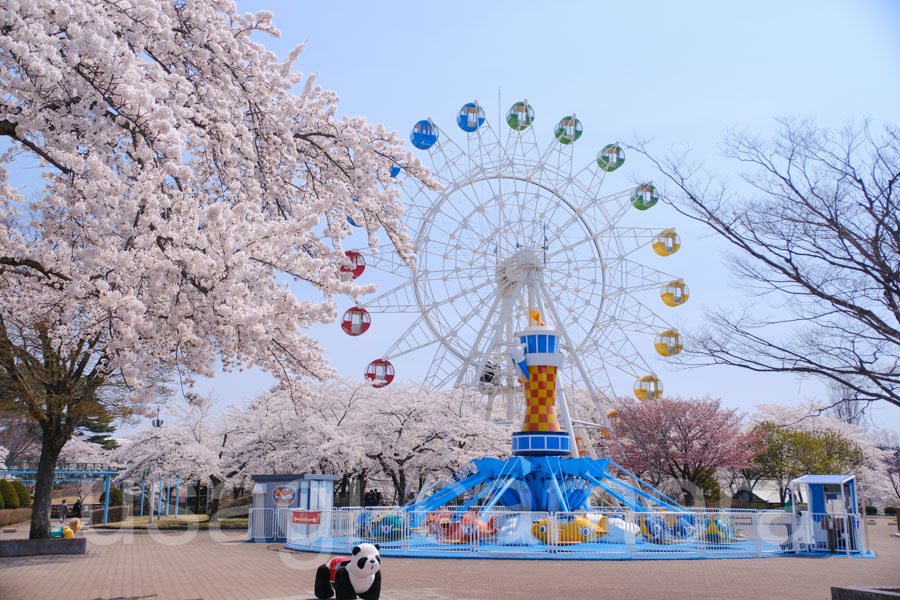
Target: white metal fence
<point>261,523</point>
<point>601,533</point>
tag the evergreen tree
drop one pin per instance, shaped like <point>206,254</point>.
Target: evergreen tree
<point>96,429</point>
<point>116,497</point>
<point>23,494</point>
<point>10,497</point>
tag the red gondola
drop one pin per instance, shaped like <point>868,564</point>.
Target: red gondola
<point>358,262</point>
<point>356,321</point>
<point>381,372</point>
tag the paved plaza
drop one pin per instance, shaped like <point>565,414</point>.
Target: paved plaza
<point>212,565</point>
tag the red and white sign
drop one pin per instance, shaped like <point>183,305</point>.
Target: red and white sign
<point>305,517</point>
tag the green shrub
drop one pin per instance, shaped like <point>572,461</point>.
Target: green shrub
<point>2,504</point>
<point>116,497</point>
<point>23,493</point>
<point>871,510</point>
<point>10,497</point>
<point>890,511</point>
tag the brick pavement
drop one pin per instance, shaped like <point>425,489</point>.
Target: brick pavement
<point>219,565</point>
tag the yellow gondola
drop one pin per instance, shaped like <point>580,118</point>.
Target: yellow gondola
<point>669,343</point>
<point>648,387</point>
<point>675,293</point>
<point>667,243</point>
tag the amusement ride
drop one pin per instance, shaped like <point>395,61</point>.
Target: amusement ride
<point>527,286</point>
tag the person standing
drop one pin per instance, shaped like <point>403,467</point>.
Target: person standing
<point>63,511</point>
<point>76,509</point>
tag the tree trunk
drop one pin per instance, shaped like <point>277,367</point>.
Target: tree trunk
<point>400,488</point>
<point>216,495</point>
<point>361,488</point>
<point>43,485</point>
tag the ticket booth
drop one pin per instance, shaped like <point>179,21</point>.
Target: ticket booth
<point>275,497</point>
<point>826,511</point>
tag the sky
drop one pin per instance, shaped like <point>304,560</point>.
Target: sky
<point>679,74</point>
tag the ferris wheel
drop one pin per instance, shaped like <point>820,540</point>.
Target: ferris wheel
<point>517,227</point>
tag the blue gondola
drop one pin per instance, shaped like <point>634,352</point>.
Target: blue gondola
<point>470,118</point>
<point>424,134</point>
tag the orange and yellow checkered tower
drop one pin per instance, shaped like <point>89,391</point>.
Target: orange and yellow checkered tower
<point>538,360</point>
<point>540,399</point>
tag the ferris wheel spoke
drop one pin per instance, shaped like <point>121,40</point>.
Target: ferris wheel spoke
<point>446,250</point>
<point>385,259</point>
<point>637,276</point>
<point>638,317</point>
<point>401,299</point>
<point>604,235</point>
<point>446,157</point>
<point>450,299</point>
<point>462,219</point>
<point>622,355</point>
<point>597,177</point>
<point>632,239</point>
<point>455,268</point>
<point>417,201</point>
<point>443,367</point>
<point>455,239</point>
<point>474,359</point>
<point>488,149</point>
<point>417,336</point>
<point>520,144</point>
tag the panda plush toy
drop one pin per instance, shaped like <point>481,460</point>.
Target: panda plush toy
<point>357,575</point>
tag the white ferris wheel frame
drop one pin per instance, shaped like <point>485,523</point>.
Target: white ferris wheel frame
<point>577,216</point>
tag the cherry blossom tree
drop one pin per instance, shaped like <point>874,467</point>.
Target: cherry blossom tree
<point>403,433</point>
<point>188,445</point>
<point>187,188</point>
<point>20,435</point>
<point>185,445</point>
<point>422,432</point>
<point>80,450</point>
<point>685,439</point>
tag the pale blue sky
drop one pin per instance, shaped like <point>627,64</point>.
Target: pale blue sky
<point>681,73</point>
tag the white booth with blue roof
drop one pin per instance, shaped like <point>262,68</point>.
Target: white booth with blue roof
<point>826,514</point>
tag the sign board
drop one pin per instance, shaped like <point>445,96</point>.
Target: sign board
<point>284,495</point>
<point>306,517</point>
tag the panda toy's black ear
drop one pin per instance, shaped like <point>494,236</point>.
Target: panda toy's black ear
<point>356,550</point>
<point>377,547</point>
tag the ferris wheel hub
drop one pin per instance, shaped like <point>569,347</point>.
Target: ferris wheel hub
<point>514,269</point>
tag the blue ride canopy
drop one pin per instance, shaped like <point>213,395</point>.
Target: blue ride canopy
<point>543,483</point>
